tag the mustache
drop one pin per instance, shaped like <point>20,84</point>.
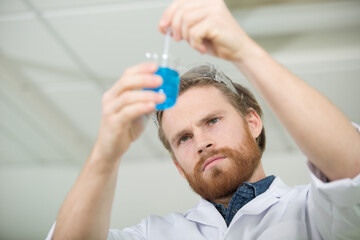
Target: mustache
<point>227,152</point>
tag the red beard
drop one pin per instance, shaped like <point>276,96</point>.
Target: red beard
<point>223,182</point>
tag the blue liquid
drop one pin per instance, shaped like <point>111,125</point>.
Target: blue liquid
<point>170,87</point>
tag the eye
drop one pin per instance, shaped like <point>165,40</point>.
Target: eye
<point>213,121</point>
<point>184,139</point>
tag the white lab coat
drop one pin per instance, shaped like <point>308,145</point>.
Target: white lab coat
<point>315,211</point>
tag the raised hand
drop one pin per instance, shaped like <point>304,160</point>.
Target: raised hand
<point>207,25</point>
<point>123,106</point>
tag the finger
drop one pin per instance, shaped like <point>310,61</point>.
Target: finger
<point>198,34</point>
<point>132,82</point>
<point>167,17</point>
<point>176,23</point>
<point>148,67</point>
<point>180,16</point>
<point>140,81</point>
<point>144,68</point>
<point>132,112</point>
<point>190,19</point>
<point>134,97</point>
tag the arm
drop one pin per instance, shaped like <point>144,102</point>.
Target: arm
<point>321,130</point>
<point>85,213</point>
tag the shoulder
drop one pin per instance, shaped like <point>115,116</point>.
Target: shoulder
<point>170,218</point>
<point>280,190</point>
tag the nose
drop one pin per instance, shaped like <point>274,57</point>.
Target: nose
<point>206,147</point>
<point>203,142</point>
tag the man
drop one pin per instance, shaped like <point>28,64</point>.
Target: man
<point>217,146</point>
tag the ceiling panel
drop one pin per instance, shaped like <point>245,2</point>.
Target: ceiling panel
<point>55,4</point>
<point>64,54</point>
<point>10,150</point>
<point>341,87</point>
<point>11,6</point>
<point>28,41</point>
<point>106,44</point>
<point>42,120</point>
<point>258,3</point>
<point>80,102</point>
<point>26,137</point>
<point>311,16</point>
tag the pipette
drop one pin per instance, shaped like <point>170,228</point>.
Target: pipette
<point>166,48</point>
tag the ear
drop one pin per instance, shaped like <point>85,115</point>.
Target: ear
<point>254,123</point>
<point>178,167</point>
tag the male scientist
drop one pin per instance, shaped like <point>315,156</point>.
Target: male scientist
<point>215,137</point>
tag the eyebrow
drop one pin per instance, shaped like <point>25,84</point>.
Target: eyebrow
<point>199,123</point>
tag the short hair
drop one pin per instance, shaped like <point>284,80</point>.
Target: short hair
<point>238,96</point>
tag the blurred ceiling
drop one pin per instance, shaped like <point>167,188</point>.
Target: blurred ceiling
<point>58,57</point>
<point>261,3</point>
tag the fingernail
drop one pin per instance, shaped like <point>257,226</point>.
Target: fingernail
<point>163,21</point>
<point>150,105</point>
<point>162,97</point>
<point>153,66</point>
<point>158,79</point>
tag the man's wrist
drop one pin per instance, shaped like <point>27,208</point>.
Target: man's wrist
<point>103,162</point>
<point>249,51</point>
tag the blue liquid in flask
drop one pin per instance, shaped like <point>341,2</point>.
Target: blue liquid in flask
<point>170,87</point>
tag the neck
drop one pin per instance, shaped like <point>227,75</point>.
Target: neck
<point>255,177</point>
<point>224,201</point>
<point>258,174</point>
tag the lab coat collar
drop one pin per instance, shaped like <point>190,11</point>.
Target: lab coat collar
<point>205,212</point>
<point>271,196</point>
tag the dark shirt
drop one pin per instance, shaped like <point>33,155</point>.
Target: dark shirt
<point>244,194</point>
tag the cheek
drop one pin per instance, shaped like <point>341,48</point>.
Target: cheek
<point>229,134</point>
<point>186,159</point>
<point>222,132</point>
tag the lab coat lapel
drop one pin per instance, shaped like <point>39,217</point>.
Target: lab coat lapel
<point>258,205</point>
<point>206,213</point>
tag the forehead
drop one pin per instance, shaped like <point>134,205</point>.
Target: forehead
<point>193,105</point>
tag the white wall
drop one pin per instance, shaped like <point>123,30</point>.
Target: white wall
<point>31,195</point>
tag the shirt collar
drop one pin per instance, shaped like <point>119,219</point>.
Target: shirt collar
<point>244,194</point>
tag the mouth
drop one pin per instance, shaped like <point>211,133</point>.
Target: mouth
<point>211,162</point>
